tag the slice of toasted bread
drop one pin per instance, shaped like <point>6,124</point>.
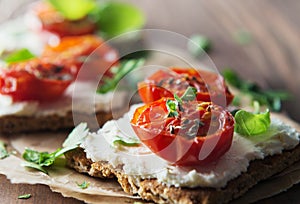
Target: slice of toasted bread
<point>21,124</point>
<point>151,189</point>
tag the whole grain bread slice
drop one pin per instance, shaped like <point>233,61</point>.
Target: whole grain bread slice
<point>11,124</point>
<point>152,190</point>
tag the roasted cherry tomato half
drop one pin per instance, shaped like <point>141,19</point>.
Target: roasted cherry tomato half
<point>199,132</point>
<point>164,83</point>
<point>88,49</point>
<point>35,80</point>
<point>52,21</point>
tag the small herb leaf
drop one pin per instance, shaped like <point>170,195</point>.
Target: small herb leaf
<point>3,151</point>
<point>74,10</point>
<point>115,18</point>
<point>172,108</point>
<point>83,185</point>
<point>189,94</point>
<point>250,124</point>
<point>18,56</point>
<point>124,68</point>
<point>198,45</point>
<point>25,196</point>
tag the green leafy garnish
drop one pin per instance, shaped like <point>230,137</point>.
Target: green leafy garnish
<point>40,160</point>
<point>250,124</point>
<point>189,94</point>
<point>75,9</point>
<point>25,196</point>
<point>120,71</point>
<point>124,143</point>
<point>115,18</point>
<point>18,56</point>
<point>174,105</point>
<point>172,108</point>
<point>199,44</point>
<point>83,185</point>
<point>270,98</point>
<point>3,151</point>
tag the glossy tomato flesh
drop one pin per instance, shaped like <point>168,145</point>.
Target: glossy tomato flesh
<point>164,83</point>
<point>200,134</point>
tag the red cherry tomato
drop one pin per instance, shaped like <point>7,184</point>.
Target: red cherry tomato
<point>200,133</point>
<point>88,49</point>
<point>52,21</point>
<point>35,80</point>
<point>164,83</point>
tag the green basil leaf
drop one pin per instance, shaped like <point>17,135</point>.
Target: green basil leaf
<point>34,166</point>
<point>199,44</point>
<point>189,94</point>
<point>3,151</point>
<point>83,185</point>
<point>250,124</point>
<point>75,9</point>
<point>18,56</point>
<point>115,18</point>
<point>25,196</point>
<point>120,71</point>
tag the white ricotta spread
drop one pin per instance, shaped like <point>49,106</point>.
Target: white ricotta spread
<point>140,163</point>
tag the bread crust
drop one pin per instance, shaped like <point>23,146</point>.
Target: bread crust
<point>11,124</point>
<point>152,190</point>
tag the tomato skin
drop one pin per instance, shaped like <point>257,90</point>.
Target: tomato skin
<point>77,49</point>
<point>166,83</point>
<point>34,80</point>
<point>175,147</point>
<point>52,21</point>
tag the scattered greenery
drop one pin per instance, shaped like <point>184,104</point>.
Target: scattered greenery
<point>270,98</point>
<point>199,44</point>
<point>119,72</point>
<point>41,160</point>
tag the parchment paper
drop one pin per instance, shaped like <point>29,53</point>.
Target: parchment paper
<point>64,180</point>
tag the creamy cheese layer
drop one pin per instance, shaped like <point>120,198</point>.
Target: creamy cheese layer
<point>140,163</point>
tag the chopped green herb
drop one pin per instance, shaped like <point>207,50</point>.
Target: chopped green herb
<point>128,144</point>
<point>115,18</point>
<point>189,94</point>
<point>198,45</point>
<point>272,99</point>
<point>124,68</point>
<point>74,10</point>
<point>3,151</point>
<point>83,185</point>
<point>25,196</point>
<point>250,124</point>
<point>40,160</point>
<point>172,108</point>
<point>18,56</point>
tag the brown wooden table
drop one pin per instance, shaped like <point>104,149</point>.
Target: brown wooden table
<point>271,58</point>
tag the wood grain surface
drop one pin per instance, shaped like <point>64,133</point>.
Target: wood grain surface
<point>270,58</point>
